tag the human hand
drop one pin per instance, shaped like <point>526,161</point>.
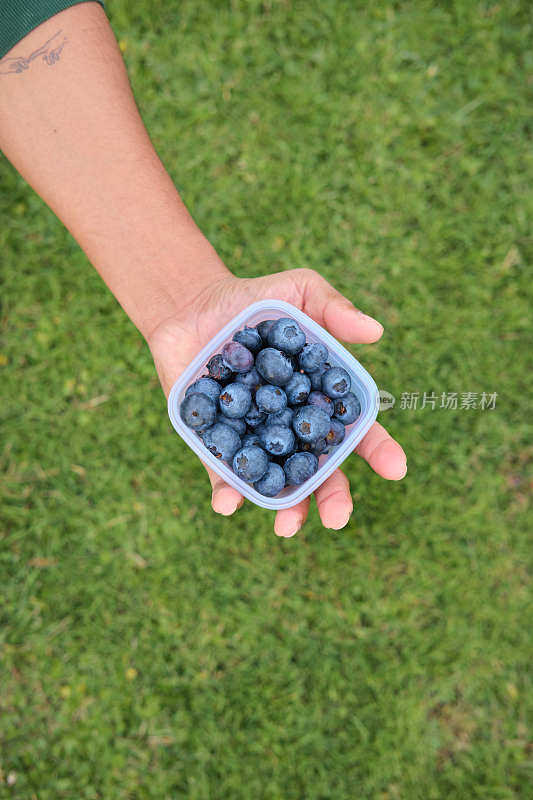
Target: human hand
<point>91,160</point>
<point>176,341</point>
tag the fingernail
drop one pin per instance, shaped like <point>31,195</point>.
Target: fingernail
<point>225,509</point>
<point>226,512</point>
<point>294,528</point>
<point>344,521</point>
<point>347,519</point>
<point>367,318</point>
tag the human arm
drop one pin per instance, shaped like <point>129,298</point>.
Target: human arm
<point>72,129</point>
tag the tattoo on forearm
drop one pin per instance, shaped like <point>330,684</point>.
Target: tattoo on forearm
<point>49,51</point>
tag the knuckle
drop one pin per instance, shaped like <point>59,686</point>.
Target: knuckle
<point>309,275</point>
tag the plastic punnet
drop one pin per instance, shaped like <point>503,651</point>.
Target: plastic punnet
<point>362,385</point>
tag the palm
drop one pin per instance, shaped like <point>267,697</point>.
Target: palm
<point>210,313</point>
<point>175,343</point>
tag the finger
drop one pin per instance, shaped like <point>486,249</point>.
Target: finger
<point>333,311</point>
<point>224,499</point>
<point>334,501</point>
<point>383,453</point>
<point>290,520</point>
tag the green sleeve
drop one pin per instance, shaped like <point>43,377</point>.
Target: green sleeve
<point>19,17</point>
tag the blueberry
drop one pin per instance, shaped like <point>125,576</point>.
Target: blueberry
<point>205,386</point>
<point>294,363</point>
<point>311,423</point>
<point>254,417</point>
<point>250,463</point>
<point>272,481</point>
<point>271,399</point>
<point>222,441</point>
<point>237,357</point>
<point>298,389</point>
<point>322,401</point>
<point>235,400</point>
<point>321,446</point>
<point>286,335</point>
<point>237,423</point>
<point>251,439</point>
<point>277,439</point>
<point>218,369</point>
<point>198,411</point>
<point>274,366</point>
<point>250,338</point>
<point>263,328</point>
<point>347,408</point>
<point>316,377</point>
<point>318,447</point>
<point>336,432</point>
<point>336,382</point>
<point>313,357</point>
<point>300,467</point>
<point>251,379</point>
<point>284,417</point>
<point>259,430</point>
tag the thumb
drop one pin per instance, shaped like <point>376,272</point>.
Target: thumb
<point>224,499</point>
<point>335,312</point>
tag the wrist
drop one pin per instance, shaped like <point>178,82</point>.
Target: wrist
<point>176,287</point>
<point>153,257</point>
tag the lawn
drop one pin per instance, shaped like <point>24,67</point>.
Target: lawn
<point>152,649</point>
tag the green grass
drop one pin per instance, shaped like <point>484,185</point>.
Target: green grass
<point>150,649</point>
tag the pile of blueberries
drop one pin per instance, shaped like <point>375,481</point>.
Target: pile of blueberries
<point>270,405</point>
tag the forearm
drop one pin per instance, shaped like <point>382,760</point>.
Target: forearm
<point>72,129</point>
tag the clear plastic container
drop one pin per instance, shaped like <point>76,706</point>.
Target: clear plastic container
<point>362,385</point>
